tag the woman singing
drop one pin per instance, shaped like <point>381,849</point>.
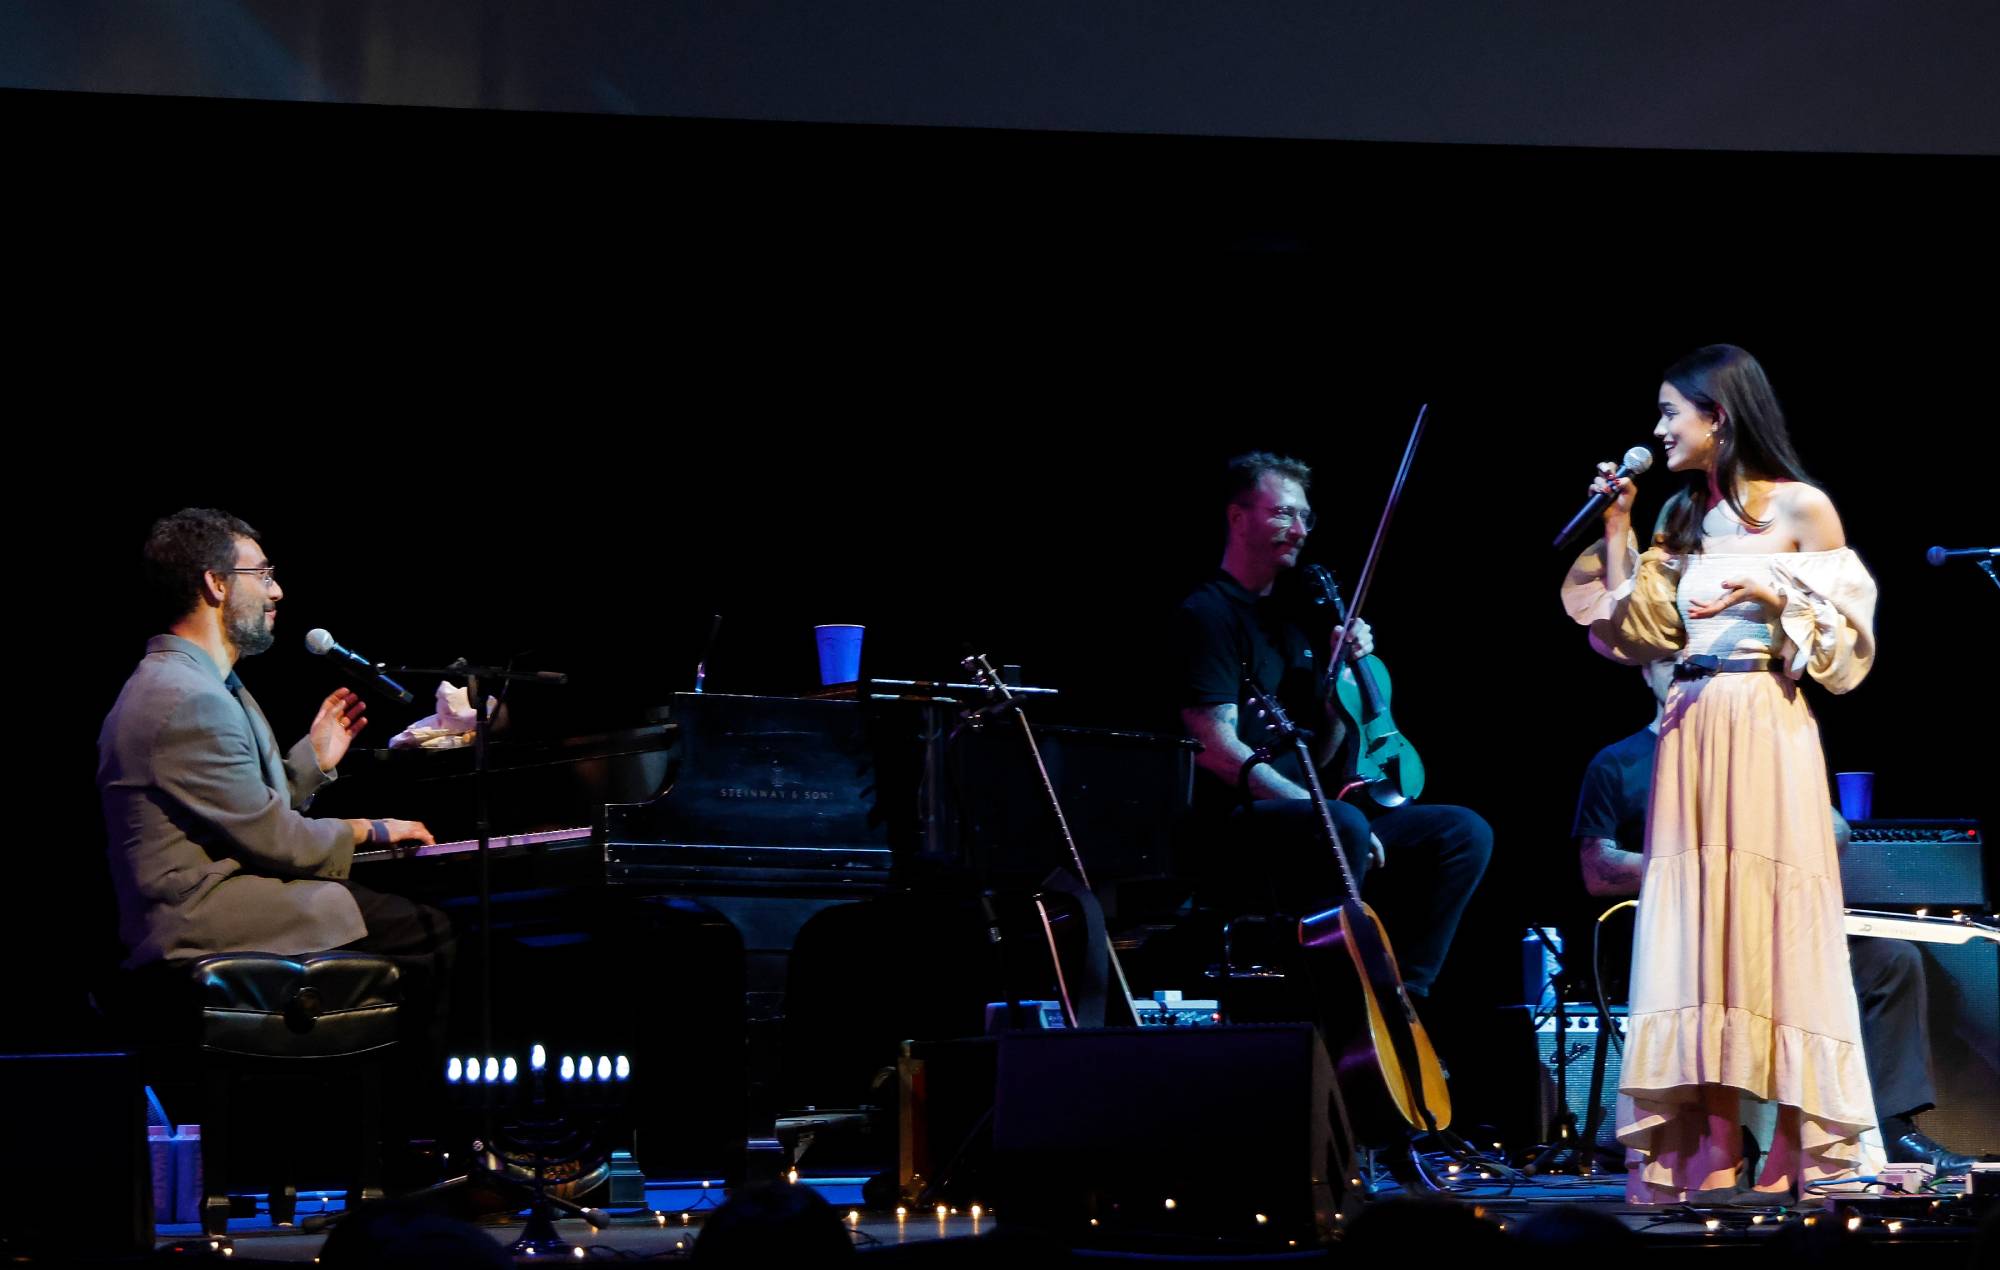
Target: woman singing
<point>1740,981</point>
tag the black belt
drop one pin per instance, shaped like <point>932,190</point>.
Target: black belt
<point>1702,665</point>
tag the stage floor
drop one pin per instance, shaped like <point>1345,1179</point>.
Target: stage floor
<point>674,1215</point>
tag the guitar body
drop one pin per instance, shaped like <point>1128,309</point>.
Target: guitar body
<point>1390,1076</point>
<point>1389,1072</point>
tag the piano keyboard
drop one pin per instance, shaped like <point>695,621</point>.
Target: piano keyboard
<point>545,838</point>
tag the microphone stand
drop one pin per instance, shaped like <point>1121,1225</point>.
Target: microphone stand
<point>1004,698</point>
<point>540,1235</point>
<point>477,681</point>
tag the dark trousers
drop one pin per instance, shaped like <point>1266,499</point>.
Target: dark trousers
<point>419,940</point>
<point>1435,857</point>
<point>1895,1025</point>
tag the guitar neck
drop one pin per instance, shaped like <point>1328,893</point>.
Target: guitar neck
<point>1318,794</point>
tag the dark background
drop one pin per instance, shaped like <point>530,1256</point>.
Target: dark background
<point>554,428</point>
<point>562,387</point>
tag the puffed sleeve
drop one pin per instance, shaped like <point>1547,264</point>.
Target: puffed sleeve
<point>1637,622</point>
<point>1829,616</point>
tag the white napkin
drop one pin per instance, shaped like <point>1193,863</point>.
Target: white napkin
<point>452,726</point>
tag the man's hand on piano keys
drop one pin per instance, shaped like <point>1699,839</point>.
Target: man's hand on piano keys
<point>404,835</point>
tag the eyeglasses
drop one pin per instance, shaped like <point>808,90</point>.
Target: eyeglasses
<point>1306,517</point>
<point>267,574</point>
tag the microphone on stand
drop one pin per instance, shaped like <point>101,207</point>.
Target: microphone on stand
<point>1637,460</point>
<point>1938,555</point>
<point>321,644</point>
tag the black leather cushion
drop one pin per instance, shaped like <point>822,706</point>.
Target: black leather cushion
<point>314,1006</point>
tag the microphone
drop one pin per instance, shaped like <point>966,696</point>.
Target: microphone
<point>320,644</point>
<point>1938,555</point>
<point>1637,460</point>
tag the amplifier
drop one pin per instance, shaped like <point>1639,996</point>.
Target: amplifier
<point>1914,864</point>
<point>1583,1034</point>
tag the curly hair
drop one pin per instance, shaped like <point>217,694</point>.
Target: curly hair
<point>184,546</point>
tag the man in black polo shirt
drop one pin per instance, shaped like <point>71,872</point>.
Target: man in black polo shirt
<point>1258,836</point>
<point>1610,833</point>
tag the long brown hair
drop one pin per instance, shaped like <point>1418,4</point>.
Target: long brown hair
<point>1726,384</point>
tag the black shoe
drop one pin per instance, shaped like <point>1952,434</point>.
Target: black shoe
<point>1917,1147</point>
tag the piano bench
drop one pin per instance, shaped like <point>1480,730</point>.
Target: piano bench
<point>273,1051</point>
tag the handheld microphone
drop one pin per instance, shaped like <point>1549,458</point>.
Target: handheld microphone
<point>1637,460</point>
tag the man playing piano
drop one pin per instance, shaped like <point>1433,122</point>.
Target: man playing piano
<point>211,850</point>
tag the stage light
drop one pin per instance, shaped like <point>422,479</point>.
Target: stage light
<point>1170,1206</point>
<point>538,1058</point>
<point>586,1067</point>
<point>1262,1220</point>
<point>509,1069</point>
<point>568,1071</point>
<point>452,1071</point>
<point>624,1067</point>
<point>492,1069</point>
<point>604,1067</point>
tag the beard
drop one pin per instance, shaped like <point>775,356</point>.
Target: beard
<point>250,632</point>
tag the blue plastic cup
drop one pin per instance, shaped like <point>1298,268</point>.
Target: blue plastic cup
<point>839,654</point>
<point>1857,794</point>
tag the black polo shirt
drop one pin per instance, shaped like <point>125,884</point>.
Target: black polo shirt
<point>1226,634</point>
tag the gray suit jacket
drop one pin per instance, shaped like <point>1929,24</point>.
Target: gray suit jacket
<point>209,849</point>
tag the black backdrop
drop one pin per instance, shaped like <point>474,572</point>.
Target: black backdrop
<point>564,388</point>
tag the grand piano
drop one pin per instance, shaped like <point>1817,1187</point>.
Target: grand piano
<point>697,849</point>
